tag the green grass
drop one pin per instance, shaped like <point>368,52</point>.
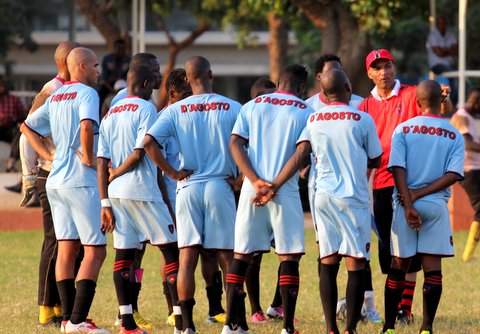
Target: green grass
<point>459,310</point>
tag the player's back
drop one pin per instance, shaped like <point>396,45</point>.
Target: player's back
<point>202,125</point>
<point>273,125</point>
<point>122,131</point>
<point>67,107</point>
<point>343,139</point>
<point>427,147</point>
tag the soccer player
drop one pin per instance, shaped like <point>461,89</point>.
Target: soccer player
<point>270,201</point>
<point>346,143</point>
<point>135,207</point>
<point>427,157</point>
<point>465,123</point>
<point>71,116</point>
<point>35,171</point>
<point>389,104</point>
<point>205,210</point>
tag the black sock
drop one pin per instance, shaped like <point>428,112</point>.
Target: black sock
<point>214,295</point>
<point>171,271</point>
<point>289,284</point>
<point>277,299</point>
<point>121,278</point>
<point>168,298</point>
<point>252,281</point>
<point>355,293</point>
<point>236,294</point>
<point>329,294</point>
<point>67,292</point>
<point>83,300</point>
<point>432,291</point>
<point>187,313</point>
<point>393,293</point>
<point>367,278</point>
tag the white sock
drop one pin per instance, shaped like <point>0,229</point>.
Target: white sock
<point>369,301</point>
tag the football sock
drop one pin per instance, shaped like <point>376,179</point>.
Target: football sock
<point>393,293</point>
<point>235,294</point>
<point>432,291</point>
<point>186,307</point>
<point>171,271</point>
<point>472,241</point>
<point>277,299</point>
<point>46,314</point>
<point>168,298</point>
<point>407,297</point>
<point>367,278</point>
<point>136,276</point>
<point>354,296</point>
<point>122,280</point>
<point>83,300</point>
<point>214,295</point>
<point>252,281</point>
<point>67,292</point>
<point>289,284</point>
<point>329,294</point>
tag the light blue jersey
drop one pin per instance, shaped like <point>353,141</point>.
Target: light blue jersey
<point>427,147</point>
<point>201,125</point>
<point>120,95</point>
<point>343,139</point>
<point>316,102</point>
<point>61,116</point>
<point>122,131</point>
<point>273,124</point>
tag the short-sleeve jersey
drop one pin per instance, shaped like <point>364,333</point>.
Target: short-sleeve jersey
<point>316,102</point>
<point>273,124</point>
<point>472,158</point>
<point>343,139</point>
<point>436,39</point>
<point>387,114</point>
<point>427,147</point>
<point>120,95</point>
<point>61,116</point>
<point>122,131</point>
<point>201,125</point>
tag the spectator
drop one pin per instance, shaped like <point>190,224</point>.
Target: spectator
<point>442,46</point>
<point>114,67</point>
<point>12,113</point>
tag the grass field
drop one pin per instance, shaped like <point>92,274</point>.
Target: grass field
<point>459,310</point>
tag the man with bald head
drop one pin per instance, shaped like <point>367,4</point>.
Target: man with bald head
<point>70,115</point>
<point>35,171</point>
<point>346,143</point>
<point>432,151</point>
<point>463,120</point>
<point>205,209</point>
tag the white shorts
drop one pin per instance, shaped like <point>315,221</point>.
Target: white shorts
<point>435,237</point>
<point>141,221</point>
<point>342,229</point>
<point>76,215</point>
<point>283,216</point>
<point>205,213</point>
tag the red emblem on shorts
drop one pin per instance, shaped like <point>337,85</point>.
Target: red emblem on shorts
<point>451,241</point>
<point>171,228</point>
<point>367,247</point>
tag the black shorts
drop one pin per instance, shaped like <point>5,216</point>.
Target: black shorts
<point>471,184</point>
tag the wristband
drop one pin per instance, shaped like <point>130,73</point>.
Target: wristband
<point>106,203</point>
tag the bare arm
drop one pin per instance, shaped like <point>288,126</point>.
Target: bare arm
<point>441,183</point>
<point>86,141</point>
<point>38,101</point>
<point>107,216</point>
<point>412,216</point>
<point>37,142</point>
<point>132,160</point>
<point>163,190</point>
<point>154,152</point>
<point>373,163</point>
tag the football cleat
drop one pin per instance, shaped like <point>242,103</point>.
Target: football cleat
<point>275,312</point>
<point>84,327</point>
<point>405,318</point>
<point>218,318</point>
<point>142,323</point>
<point>258,318</point>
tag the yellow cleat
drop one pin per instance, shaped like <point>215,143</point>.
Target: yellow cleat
<point>170,320</point>
<point>58,311</point>
<point>46,314</point>
<point>425,332</point>
<point>142,323</point>
<point>472,241</point>
<point>218,318</point>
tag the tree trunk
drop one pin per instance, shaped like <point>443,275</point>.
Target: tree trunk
<point>342,36</point>
<point>98,16</point>
<point>277,45</point>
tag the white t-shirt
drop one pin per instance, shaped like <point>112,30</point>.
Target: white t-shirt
<point>436,39</point>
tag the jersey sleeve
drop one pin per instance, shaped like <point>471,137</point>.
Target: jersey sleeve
<point>398,153</point>
<point>456,160</point>
<point>163,128</point>
<point>146,121</point>
<point>89,106</point>
<point>373,147</point>
<point>241,127</point>
<point>39,121</point>
<point>103,147</point>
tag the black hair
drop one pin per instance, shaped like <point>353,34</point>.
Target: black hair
<point>320,62</point>
<point>259,87</point>
<point>176,80</point>
<point>294,75</point>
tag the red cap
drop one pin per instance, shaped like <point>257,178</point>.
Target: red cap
<point>377,54</point>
